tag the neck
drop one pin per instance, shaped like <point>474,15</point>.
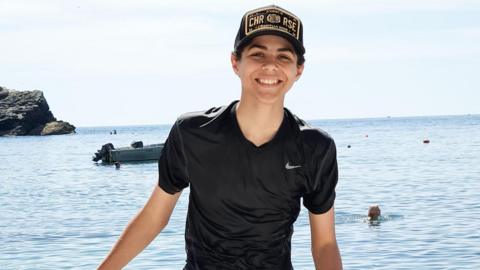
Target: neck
<point>259,121</point>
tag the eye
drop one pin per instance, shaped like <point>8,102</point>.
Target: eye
<point>257,55</point>
<point>285,58</point>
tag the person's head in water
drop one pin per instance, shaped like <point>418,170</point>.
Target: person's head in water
<point>374,212</point>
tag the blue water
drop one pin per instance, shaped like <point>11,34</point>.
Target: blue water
<point>59,210</point>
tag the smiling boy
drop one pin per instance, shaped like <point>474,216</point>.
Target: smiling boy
<point>247,165</point>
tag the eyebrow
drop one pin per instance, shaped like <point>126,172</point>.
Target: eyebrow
<point>284,49</point>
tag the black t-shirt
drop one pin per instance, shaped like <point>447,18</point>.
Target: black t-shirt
<point>244,199</point>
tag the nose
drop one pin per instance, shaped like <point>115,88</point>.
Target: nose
<point>270,64</point>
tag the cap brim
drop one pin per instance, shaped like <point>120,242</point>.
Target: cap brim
<point>299,49</point>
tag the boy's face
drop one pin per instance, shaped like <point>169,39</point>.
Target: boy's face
<point>267,69</point>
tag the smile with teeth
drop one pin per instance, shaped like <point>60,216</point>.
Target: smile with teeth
<point>268,81</point>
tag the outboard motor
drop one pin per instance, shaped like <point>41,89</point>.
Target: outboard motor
<point>137,144</point>
<point>103,154</point>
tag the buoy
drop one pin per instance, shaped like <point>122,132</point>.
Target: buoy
<point>366,136</point>
<point>426,141</point>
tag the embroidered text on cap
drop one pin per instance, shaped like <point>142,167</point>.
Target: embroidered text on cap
<point>274,19</point>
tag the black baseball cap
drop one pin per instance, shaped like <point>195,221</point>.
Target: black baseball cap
<point>270,20</point>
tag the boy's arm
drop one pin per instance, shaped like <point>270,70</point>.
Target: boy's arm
<point>142,229</point>
<point>326,255</point>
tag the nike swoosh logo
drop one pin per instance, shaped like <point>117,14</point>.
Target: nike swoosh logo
<point>289,167</point>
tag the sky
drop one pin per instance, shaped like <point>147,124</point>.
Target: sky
<point>142,62</point>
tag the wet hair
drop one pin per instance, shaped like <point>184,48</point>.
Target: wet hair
<point>238,54</point>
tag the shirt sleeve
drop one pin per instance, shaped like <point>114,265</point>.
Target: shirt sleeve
<point>324,176</point>
<point>172,164</point>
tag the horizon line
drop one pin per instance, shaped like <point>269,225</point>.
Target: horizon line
<point>308,120</point>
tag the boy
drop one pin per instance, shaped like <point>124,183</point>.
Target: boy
<point>247,165</point>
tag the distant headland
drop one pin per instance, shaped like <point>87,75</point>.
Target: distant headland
<point>28,113</point>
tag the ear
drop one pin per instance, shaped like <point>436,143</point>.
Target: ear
<point>234,61</point>
<point>299,71</point>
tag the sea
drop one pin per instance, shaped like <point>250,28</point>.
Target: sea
<point>61,210</point>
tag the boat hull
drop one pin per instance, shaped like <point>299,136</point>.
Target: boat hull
<point>126,154</point>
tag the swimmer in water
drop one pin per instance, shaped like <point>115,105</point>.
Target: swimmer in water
<point>374,212</point>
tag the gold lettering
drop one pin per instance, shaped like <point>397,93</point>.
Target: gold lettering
<point>255,20</point>
<point>259,19</point>
<point>289,24</point>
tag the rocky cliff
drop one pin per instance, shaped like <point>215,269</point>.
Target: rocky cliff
<point>27,113</point>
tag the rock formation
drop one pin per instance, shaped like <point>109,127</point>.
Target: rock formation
<point>27,113</point>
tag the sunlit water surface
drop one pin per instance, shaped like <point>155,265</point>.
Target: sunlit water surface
<point>59,210</point>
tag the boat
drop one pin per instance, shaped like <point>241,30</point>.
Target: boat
<point>133,153</point>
